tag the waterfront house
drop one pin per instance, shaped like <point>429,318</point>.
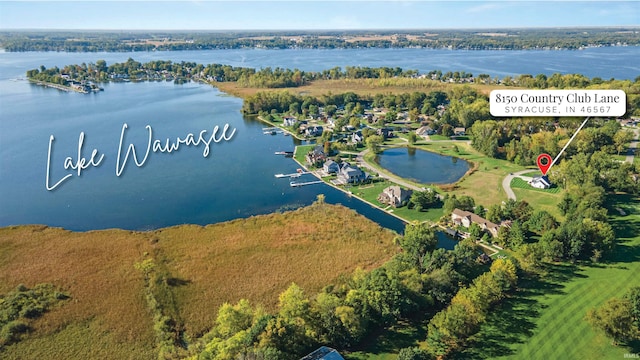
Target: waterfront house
<point>289,121</point>
<point>351,175</point>
<point>385,133</point>
<point>425,130</point>
<point>540,182</point>
<point>465,219</point>
<point>330,167</point>
<point>314,131</point>
<point>395,196</point>
<point>316,157</point>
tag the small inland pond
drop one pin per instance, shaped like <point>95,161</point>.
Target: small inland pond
<point>423,166</point>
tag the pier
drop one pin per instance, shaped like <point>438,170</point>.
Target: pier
<point>296,174</point>
<point>296,184</point>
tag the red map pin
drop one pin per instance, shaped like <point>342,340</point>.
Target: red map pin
<point>544,163</point>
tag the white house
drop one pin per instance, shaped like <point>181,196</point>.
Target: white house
<point>540,182</point>
<point>289,121</point>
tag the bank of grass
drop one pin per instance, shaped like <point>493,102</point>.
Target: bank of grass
<point>107,316</point>
<point>546,318</point>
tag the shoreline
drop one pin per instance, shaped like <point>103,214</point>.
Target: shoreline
<point>350,193</point>
<point>56,86</point>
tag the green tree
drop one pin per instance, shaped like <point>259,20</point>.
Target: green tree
<point>374,142</point>
<point>615,318</point>
<point>412,137</point>
<point>418,241</point>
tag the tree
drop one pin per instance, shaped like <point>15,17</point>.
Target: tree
<point>413,353</point>
<point>374,142</point>
<point>418,241</point>
<point>412,137</point>
<point>422,200</point>
<point>620,140</point>
<point>615,318</point>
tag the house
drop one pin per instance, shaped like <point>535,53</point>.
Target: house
<point>324,353</point>
<point>357,137</point>
<point>459,131</point>
<point>289,121</point>
<point>465,218</point>
<point>385,133</point>
<point>314,131</point>
<point>395,196</point>
<point>330,167</point>
<point>425,130</point>
<point>316,157</point>
<point>540,182</point>
<point>351,175</point>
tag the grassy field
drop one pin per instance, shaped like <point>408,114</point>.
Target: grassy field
<point>485,183</point>
<point>545,320</point>
<point>255,258</point>
<point>358,86</point>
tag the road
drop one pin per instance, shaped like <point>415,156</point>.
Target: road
<point>506,183</point>
<point>632,147</point>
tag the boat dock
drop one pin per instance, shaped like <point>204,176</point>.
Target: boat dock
<point>296,174</point>
<point>296,184</point>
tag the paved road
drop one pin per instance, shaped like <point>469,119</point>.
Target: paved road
<point>632,147</point>
<point>506,183</point>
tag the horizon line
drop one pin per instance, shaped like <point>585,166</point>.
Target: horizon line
<point>637,26</point>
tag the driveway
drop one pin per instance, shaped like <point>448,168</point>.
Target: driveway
<point>506,183</point>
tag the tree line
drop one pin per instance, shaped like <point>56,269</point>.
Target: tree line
<point>504,39</point>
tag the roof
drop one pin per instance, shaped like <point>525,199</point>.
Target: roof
<point>543,179</point>
<point>475,218</point>
<point>324,353</point>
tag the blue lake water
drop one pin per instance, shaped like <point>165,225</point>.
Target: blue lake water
<point>236,178</point>
<point>423,166</point>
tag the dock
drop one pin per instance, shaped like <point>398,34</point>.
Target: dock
<point>297,184</point>
<point>296,174</point>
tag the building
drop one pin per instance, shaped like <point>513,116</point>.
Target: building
<point>425,130</point>
<point>324,353</point>
<point>314,131</point>
<point>316,157</point>
<point>540,182</point>
<point>395,196</point>
<point>351,175</point>
<point>331,167</point>
<point>289,121</point>
<point>465,218</point>
<point>459,131</point>
<point>357,137</point>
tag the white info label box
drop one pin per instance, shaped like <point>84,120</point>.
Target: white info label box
<point>604,103</point>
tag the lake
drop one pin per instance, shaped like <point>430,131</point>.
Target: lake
<point>237,178</point>
<point>423,166</point>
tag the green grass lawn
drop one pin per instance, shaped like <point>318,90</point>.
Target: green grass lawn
<point>521,184</point>
<point>301,152</point>
<point>370,193</point>
<point>545,319</point>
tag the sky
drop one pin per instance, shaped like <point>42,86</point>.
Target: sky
<point>313,15</point>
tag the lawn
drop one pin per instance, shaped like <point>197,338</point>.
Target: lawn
<point>370,192</point>
<point>485,183</point>
<point>545,320</point>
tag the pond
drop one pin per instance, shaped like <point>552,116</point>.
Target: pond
<point>423,166</point>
